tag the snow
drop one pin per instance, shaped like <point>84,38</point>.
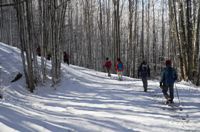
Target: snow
<point>89,101</point>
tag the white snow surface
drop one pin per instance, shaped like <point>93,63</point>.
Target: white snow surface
<point>88,101</point>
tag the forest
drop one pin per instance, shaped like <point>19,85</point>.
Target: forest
<point>91,30</point>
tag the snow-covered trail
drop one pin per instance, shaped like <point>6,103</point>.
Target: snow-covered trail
<point>88,101</point>
<point>139,109</point>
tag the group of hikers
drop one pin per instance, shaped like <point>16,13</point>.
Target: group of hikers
<point>168,76</point>
<point>119,67</point>
<point>65,55</point>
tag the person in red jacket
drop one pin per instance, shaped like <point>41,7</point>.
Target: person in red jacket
<point>108,65</point>
<point>119,68</point>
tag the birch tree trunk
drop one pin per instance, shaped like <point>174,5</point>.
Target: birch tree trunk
<point>57,23</point>
<point>135,38</point>
<point>25,27</point>
<point>154,40</point>
<point>148,33</point>
<point>163,32</point>
<point>190,47</point>
<point>142,34</point>
<point>130,42</point>
<point>116,29</point>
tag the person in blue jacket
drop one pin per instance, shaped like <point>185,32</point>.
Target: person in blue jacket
<point>168,77</point>
<point>119,68</point>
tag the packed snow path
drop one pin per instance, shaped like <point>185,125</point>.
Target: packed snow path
<point>89,101</point>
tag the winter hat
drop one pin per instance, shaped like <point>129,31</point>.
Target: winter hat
<point>168,62</point>
<point>144,62</point>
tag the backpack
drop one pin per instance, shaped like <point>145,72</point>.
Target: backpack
<point>120,66</point>
<point>144,70</point>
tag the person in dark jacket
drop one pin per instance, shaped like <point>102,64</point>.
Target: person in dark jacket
<point>108,65</point>
<point>48,56</point>
<point>119,68</point>
<point>168,77</point>
<point>66,58</point>
<point>38,50</point>
<point>144,73</point>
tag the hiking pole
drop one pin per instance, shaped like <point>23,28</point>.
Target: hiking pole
<point>178,97</point>
<point>177,94</point>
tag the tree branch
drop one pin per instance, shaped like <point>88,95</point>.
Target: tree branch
<point>11,4</point>
<point>62,4</point>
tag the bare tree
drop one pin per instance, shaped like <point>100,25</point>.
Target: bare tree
<point>130,46</point>
<point>24,24</point>
<point>142,34</point>
<point>154,40</point>
<point>116,28</point>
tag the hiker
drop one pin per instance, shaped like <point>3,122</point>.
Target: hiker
<point>119,68</point>
<point>144,73</point>
<point>66,58</point>
<point>38,51</point>
<point>168,77</point>
<point>48,56</point>
<point>108,65</point>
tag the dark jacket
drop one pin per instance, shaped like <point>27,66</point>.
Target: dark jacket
<point>65,57</point>
<point>168,76</point>
<point>144,71</point>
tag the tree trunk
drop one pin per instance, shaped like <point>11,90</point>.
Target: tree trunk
<point>190,47</point>
<point>163,33</point>
<point>116,29</point>
<point>130,42</point>
<point>154,40</point>
<point>135,38</point>
<point>142,34</point>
